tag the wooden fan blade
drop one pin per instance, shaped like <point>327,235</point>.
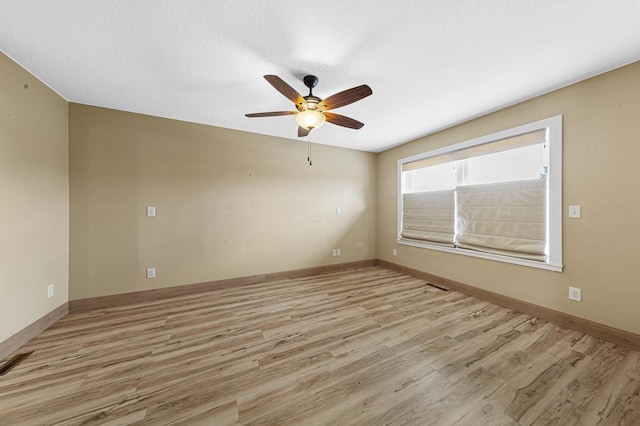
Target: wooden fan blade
<point>281,86</point>
<point>302,132</point>
<point>343,121</point>
<point>271,114</point>
<point>346,97</point>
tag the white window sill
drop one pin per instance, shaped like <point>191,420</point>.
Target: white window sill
<point>481,255</point>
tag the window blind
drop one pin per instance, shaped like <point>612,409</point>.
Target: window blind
<point>429,216</point>
<point>428,162</point>
<point>504,218</point>
<point>514,142</point>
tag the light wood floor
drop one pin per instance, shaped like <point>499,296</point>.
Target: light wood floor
<point>368,346</point>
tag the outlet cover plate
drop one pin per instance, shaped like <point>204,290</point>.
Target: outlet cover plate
<point>575,293</point>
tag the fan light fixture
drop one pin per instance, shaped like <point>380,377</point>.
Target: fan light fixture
<point>310,119</point>
<point>312,111</point>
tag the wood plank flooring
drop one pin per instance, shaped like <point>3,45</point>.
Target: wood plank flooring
<point>369,346</point>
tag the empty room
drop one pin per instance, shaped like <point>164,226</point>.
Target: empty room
<point>329,213</point>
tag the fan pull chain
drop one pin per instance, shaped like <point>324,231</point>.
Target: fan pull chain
<point>309,150</point>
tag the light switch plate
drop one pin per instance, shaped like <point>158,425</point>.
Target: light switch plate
<point>151,211</point>
<point>574,212</point>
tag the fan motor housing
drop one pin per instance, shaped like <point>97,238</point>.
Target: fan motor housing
<point>312,101</point>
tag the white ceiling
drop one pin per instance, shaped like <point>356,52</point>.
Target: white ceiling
<point>431,63</point>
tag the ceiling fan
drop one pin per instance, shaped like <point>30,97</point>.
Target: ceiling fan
<point>312,111</point>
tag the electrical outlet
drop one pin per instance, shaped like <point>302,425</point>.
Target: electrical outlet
<point>50,290</point>
<point>394,252</point>
<point>151,272</point>
<point>338,211</point>
<point>338,252</point>
<point>334,252</point>
<point>575,293</point>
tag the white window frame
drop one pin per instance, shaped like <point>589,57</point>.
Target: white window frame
<point>553,126</point>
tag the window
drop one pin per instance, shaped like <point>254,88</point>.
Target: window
<point>497,197</point>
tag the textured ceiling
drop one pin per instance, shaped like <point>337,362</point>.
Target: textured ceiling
<point>431,63</point>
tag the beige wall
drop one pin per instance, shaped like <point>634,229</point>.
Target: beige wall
<point>601,251</point>
<point>34,194</point>
<point>229,203</point>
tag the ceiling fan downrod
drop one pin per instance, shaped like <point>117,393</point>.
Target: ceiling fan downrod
<point>310,81</point>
